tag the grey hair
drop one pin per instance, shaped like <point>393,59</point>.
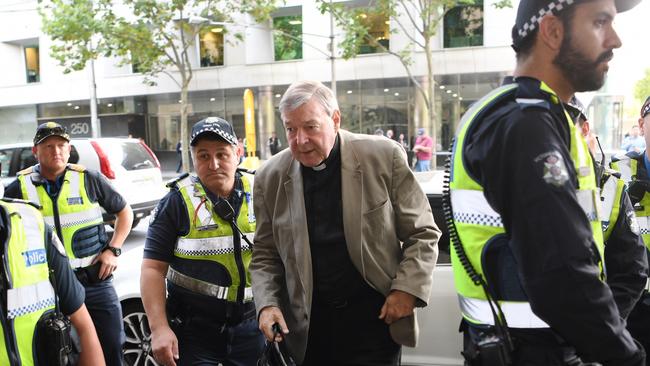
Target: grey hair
<point>302,92</point>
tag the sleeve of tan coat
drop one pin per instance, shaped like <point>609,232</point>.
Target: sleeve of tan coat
<point>416,229</point>
<point>266,269</point>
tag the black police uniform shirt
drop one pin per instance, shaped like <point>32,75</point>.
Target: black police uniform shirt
<point>168,222</point>
<point>70,292</point>
<point>548,232</point>
<point>97,187</point>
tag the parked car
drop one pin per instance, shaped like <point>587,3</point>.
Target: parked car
<point>129,164</point>
<point>439,342</point>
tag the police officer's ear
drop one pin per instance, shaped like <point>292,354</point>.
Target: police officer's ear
<point>551,32</point>
<point>642,126</point>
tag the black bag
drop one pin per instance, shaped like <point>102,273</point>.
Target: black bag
<point>275,354</point>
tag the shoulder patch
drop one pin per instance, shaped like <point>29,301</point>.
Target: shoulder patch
<point>554,168</point>
<point>26,171</point>
<point>172,183</point>
<point>77,167</point>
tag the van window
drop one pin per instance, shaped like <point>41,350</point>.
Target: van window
<point>130,155</point>
<point>27,159</point>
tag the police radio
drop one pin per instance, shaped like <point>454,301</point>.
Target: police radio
<point>56,347</point>
<point>494,348</point>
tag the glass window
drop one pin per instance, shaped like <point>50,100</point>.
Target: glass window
<point>32,64</point>
<point>378,31</point>
<point>211,45</point>
<point>463,26</point>
<point>5,161</point>
<point>287,37</point>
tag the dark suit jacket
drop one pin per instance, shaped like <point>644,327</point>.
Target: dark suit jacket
<point>389,230</point>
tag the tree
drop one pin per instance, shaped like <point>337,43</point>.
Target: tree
<point>418,20</point>
<point>642,87</point>
<point>152,35</point>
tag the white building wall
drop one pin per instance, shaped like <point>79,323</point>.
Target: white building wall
<point>247,64</point>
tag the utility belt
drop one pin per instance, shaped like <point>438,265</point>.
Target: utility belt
<point>89,275</point>
<point>219,312</point>
<point>482,347</point>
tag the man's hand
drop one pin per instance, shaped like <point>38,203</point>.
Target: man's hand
<point>164,345</point>
<point>399,304</point>
<point>109,263</point>
<point>269,316</point>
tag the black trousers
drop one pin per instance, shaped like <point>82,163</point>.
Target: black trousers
<point>350,333</point>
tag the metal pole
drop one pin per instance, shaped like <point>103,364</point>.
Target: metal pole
<point>94,121</point>
<point>332,51</point>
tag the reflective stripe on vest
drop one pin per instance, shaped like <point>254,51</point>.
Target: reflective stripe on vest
<point>477,222</point>
<point>203,287</point>
<point>30,293</point>
<point>518,314</point>
<point>211,238</point>
<point>75,210</point>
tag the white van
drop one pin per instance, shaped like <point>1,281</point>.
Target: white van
<point>131,167</point>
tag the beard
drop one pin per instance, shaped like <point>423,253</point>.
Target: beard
<point>582,72</point>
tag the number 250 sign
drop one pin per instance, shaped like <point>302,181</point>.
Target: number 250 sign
<point>79,128</point>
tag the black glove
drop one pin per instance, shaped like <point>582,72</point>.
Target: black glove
<point>637,189</point>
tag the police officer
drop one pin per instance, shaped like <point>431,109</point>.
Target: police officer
<point>626,262</point>
<point>71,198</point>
<point>524,201</point>
<point>204,260</point>
<point>31,251</point>
<point>634,168</point>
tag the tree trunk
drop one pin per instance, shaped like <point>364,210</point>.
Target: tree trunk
<point>431,111</point>
<point>185,138</point>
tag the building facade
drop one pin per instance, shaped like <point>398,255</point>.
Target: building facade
<point>471,56</point>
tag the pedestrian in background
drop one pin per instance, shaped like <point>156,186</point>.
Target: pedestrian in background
<point>423,151</point>
<point>203,259</point>
<point>340,266</point>
<point>71,199</point>
<point>634,141</point>
<point>525,203</point>
<point>179,152</point>
<point>274,144</point>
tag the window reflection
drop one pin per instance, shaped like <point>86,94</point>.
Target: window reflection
<point>32,64</point>
<point>287,38</point>
<point>378,31</point>
<point>464,26</point>
<point>211,45</point>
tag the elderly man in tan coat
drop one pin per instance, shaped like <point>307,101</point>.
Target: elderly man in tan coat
<point>345,242</point>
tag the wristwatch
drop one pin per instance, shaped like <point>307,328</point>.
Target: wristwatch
<point>116,251</point>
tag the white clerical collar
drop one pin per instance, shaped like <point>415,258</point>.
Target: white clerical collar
<point>319,167</point>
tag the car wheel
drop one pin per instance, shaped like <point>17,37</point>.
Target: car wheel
<point>137,348</point>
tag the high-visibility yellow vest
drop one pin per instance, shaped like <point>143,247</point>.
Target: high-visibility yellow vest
<point>78,221</point>
<point>477,223</point>
<point>629,168</point>
<point>30,293</point>
<point>211,238</point>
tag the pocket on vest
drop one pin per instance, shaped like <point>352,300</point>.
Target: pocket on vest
<point>88,241</point>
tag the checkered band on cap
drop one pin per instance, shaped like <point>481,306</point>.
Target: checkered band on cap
<point>645,109</point>
<point>553,7</point>
<point>215,125</point>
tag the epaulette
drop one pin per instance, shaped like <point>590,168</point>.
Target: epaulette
<point>612,172</point>
<point>16,200</point>
<point>247,171</point>
<point>26,171</point>
<point>77,167</point>
<point>525,103</point>
<point>172,182</point>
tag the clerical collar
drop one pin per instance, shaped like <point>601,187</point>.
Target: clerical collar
<point>333,155</point>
